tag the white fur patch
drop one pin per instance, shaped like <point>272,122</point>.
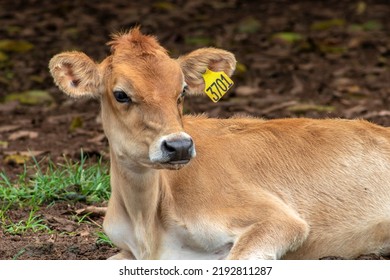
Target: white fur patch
<point>207,243</point>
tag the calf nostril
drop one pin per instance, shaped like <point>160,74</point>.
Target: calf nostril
<point>169,147</point>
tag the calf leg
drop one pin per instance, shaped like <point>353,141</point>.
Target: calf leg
<point>270,238</point>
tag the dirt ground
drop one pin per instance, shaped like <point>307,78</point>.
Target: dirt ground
<point>299,58</point>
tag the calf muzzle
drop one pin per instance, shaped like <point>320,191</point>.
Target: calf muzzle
<point>173,149</point>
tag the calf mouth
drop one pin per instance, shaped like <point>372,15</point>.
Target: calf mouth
<point>171,165</point>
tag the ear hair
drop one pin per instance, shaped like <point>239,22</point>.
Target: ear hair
<point>75,74</point>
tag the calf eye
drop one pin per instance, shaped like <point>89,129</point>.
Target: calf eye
<point>184,92</point>
<point>121,96</point>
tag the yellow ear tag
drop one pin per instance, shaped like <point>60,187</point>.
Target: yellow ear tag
<point>216,84</point>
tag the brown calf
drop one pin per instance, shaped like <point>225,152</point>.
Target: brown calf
<point>190,187</point>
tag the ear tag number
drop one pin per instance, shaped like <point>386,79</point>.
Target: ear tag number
<point>216,84</point>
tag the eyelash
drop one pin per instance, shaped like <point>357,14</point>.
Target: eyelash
<point>184,92</point>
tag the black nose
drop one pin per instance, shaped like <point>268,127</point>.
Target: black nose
<point>179,150</point>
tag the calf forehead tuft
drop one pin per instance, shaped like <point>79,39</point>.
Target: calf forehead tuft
<point>136,43</point>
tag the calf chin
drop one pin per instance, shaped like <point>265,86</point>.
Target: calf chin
<point>170,166</point>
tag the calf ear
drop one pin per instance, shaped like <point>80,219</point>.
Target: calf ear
<point>75,74</point>
<point>195,64</point>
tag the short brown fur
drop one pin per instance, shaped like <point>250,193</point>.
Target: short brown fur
<point>256,189</point>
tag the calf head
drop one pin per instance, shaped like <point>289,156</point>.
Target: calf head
<point>141,91</point>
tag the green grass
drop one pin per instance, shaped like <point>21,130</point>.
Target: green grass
<point>33,223</point>
<point>103,239</point>
<point>35,188</point>
<point>69,181</point>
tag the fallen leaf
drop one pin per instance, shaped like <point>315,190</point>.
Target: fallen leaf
<point>52,238</point>
<point>22,134</point>
<point>9,128</point>
<point>240,68</point>
<point>303,108</point>
<point>77,122</point>
<point>355,42</point>
<point>31,153</point>
<point>353,89</point>
<point>327,24</point>
<point>382,60</point>
<point>164,5</point>
<point>84,233</point>
<point>3,56</point>
<point>31,97</point>
<point>24,153</point>
<point>13,29</point>
<point>361,7</point>
<point>342,81</point>
<point>288,37</point>
<point>331,49</point>
<point>19,46</point>
<point>16,159</point>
